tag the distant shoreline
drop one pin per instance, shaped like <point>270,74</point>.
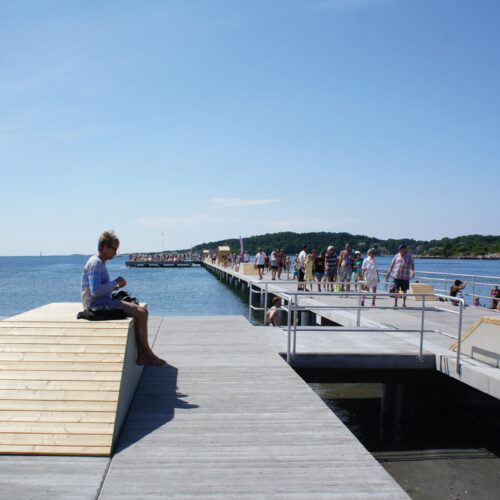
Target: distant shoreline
<point>457,257</point>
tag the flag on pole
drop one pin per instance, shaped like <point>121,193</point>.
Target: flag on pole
<point>241,244</point>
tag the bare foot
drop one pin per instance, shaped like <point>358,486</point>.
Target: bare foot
<point>148,361</point>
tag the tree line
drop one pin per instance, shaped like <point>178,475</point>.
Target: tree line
<point>473,245</point>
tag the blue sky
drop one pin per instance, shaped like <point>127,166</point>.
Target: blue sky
<point>209,119</point>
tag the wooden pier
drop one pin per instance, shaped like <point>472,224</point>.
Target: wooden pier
<point>390,340</point>
<point>227,418</point>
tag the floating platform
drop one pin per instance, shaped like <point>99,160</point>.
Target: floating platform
<point>181,263</point>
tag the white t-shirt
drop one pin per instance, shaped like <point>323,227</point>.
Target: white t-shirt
<point>260,258</point>
<point>370,267</point>
<point>302,256</point>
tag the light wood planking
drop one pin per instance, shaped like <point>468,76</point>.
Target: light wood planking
<point>60,366</point>
<point>44,405</point>
<point>58,356</point>
<point>54,439</point>
<point>59,395</point>
<point>88,348</point>
<point>60,381</point>
<point>56,339</point>
<point>54,450</point>
<point>60,385</point>
<point>97,428</point>
<point>59,375</point>
<point>57,416</point>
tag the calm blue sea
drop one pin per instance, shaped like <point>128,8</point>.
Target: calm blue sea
<point>28,282</point>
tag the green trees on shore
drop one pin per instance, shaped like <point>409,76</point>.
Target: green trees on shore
<point>473,245</point>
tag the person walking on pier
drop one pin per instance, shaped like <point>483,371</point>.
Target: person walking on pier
<point>345,271</point>
<point>356,269</point>
<point>96,291</point>
<point>319,269</point>
<point>260,262</point>
<point>273,263</point>
<point>404,269</point>
<point>331,267</point>
<point>281,262</point>
<point>309,271</point>
<point>369,274</point>
<point>302,260</point>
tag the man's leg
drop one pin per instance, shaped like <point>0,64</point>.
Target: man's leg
<point>145,355</point>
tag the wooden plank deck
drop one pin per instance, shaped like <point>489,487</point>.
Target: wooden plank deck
<point>65,384</point>
<point>229,418</point>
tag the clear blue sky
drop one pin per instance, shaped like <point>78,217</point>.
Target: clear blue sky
<point>209,119</point>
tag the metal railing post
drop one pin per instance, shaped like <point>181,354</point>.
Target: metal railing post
<point>265,303</point>
<point>421,353</point>
<point>358,314</point>
<point>294,350</point>
<point>459,345</point>
<point>289,329</point>
<point>250,303</point>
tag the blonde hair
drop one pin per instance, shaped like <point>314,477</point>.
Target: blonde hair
<point>107,239</point>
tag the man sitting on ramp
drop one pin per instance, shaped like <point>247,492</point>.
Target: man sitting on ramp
<point>97,288</point>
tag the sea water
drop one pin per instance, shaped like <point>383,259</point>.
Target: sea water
<point>29,282</point>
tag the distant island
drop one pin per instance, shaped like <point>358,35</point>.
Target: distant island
<point>473,246</point>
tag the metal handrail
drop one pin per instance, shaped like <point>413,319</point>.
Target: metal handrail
<point>445,278</point>
<point>293,308</point>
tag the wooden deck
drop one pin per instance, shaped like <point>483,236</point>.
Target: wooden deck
<point>228,418</point>
<point>65,384</point>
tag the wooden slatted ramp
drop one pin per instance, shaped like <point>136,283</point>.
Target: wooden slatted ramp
<point>65,384</point>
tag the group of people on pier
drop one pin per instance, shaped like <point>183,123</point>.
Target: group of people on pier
<point>164,257</point>
<point>335,272</point>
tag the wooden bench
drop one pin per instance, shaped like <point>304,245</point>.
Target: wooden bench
<point>422,288</point>
<point>65,384</point>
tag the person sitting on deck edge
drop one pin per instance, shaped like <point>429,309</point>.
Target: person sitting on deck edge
<point>97,288</point>
<point>273,315</point>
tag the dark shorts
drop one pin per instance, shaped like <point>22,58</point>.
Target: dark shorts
<point>301,275</point>
<point>274,267</point>
<point>106,301</point>
<point>402,285</point>
<point>331,273</point>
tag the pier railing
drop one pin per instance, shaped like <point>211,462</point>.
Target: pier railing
<point>293,308</point>
<point>478,286</point>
